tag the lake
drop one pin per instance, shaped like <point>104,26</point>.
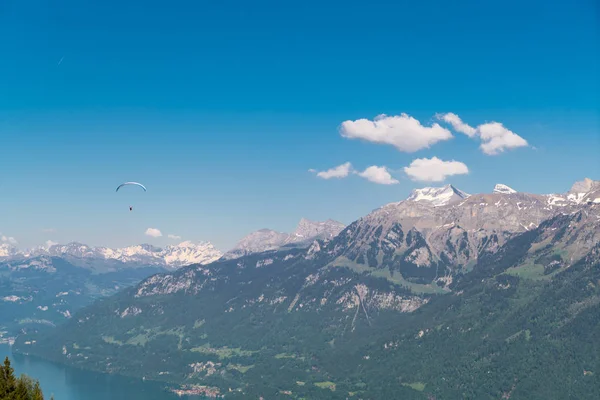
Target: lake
<point>67,383</point>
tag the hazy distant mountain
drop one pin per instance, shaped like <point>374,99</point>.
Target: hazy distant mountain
<point>267,239</point>
<point>104,258</point>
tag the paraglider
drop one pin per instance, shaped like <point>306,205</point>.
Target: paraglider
<point>131,183</point>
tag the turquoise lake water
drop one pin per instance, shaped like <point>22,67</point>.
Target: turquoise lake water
<point>67,383</point>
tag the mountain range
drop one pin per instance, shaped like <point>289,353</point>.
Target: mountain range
<point>175,256</point>
<point>445,295</point>
<point>170,257</point>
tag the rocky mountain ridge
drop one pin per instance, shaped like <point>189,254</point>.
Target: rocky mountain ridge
<point>438,232</point>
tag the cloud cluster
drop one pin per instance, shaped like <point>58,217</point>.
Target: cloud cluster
<point>401,131</point>
<point>434,169</point>
<point>373,173</point>
<point>494,136</point>
<point>421,169</point>
<point>407,134</point>
<point>50,243</point>
<point>153,232</point>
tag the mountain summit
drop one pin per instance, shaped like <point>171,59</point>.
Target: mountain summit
<point>503,189</point>
<point>267,239</point>
<point>585,186</point>
<point>308,229</point>
<point>438,196</point>
<point>587,190</point>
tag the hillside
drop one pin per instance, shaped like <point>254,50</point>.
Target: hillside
<point>509,313</point>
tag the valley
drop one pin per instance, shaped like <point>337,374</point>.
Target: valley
<point>401,303</point>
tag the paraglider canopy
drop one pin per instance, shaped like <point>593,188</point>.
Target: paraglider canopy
<point>130,183</point>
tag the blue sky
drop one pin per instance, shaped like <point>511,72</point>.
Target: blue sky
<point>221,108</point>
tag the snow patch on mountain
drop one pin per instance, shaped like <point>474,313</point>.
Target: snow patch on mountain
<point>503,189</point>
<point>438,196</point>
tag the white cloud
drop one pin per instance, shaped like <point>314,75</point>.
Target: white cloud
<point>401,131</point>
<point>457,124</point>
<point>50,243</point>
<point>373,173</point>
<point>49,230</point>
<point>341,171</point>
<point>174,237</point>
<point>10,240</point>
<point>153,232</point>
<point>495,137</point>
<point>378,175</point>
<point>434,169</point>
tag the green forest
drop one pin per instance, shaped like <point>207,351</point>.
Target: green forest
<point>18,388</point>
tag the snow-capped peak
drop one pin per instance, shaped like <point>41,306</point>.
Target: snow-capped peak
<point>438,196</point>
<point>187,252</point>
<point>75,249</point>
<point>503,189</point>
